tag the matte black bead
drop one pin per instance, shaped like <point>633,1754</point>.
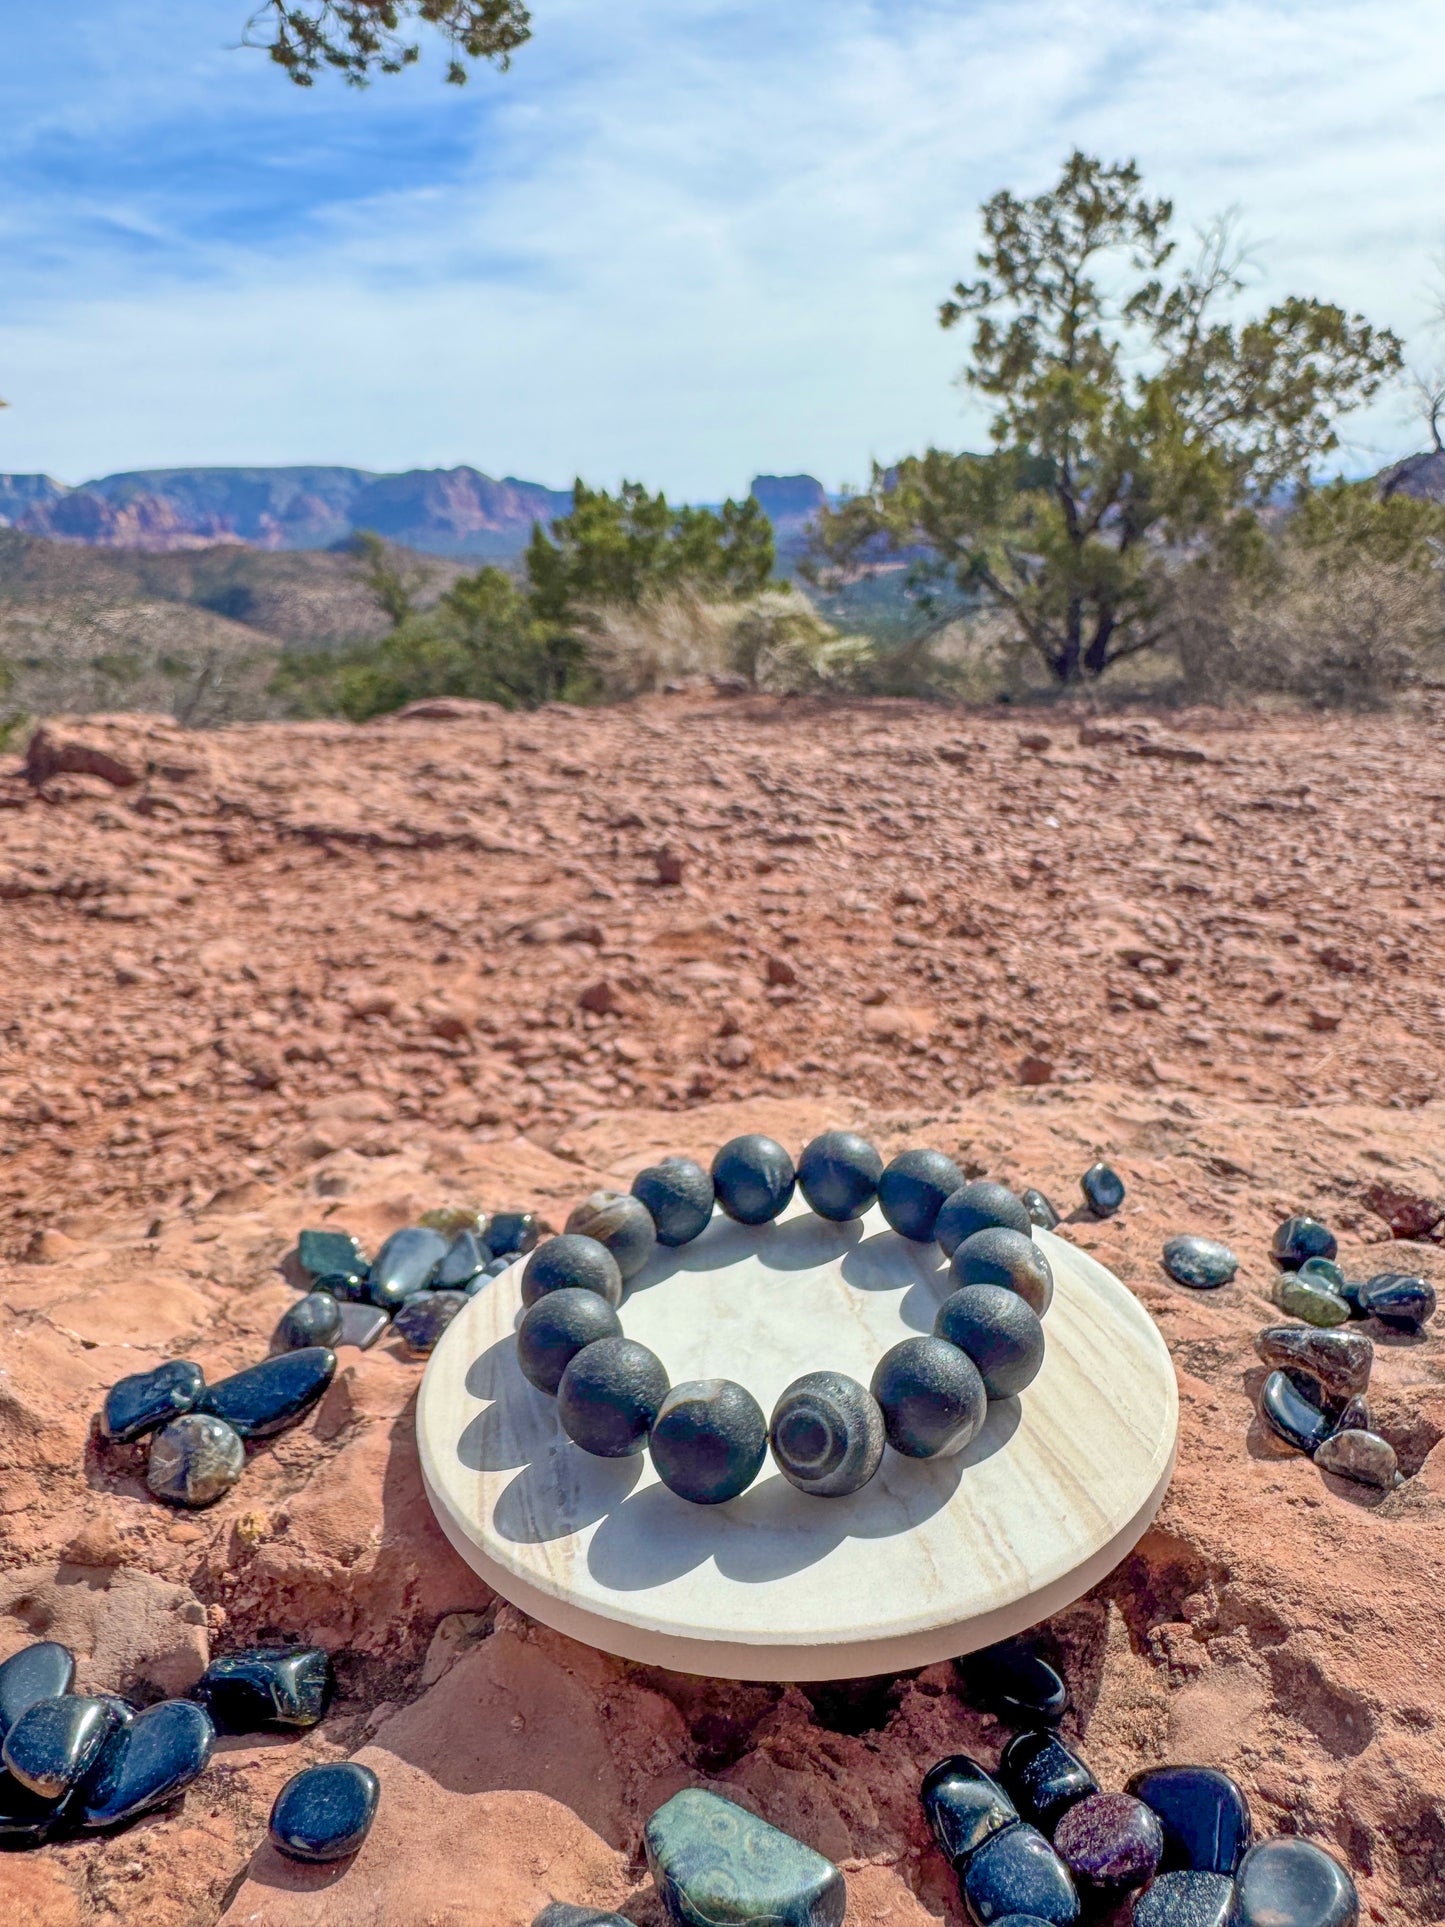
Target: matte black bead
<point>964,1805</point>
<point>25,1818</point>
<point>513,1232</point>
<point>1290,1414</point>
<point>1399,1301</point>
<point>1186,1900</point>
<point>56,1742</point>
<point>977,1207</point>
<point>466,1255</point>
<point>620,1223</point>
<point>609,1397</point>
<point>196,1459</point>
<point>266,1398</point>
<point>838,1175</point>
<point>1017,1871</point>
<point>425,1316</point>
<point>571,1263</point>
<point>932,1398</point>
<point>147,1761</point>
<point>407,1262</point>
<point>148,1400</point>
<point>42,1671</point>
<point>1103,1190</point>
<point>1289,1882</point>
<point>998,1331</point>
<point>556,1328</point>
<point>321,1252</point>
<point>1203,1263</point>
<point>1300,1238</point>
<point>1044,1777</point>
<point>679,1196</point>
<point>1013,1682</point>
<point>1042,1210</point>
<point>1204,1815</point>
<point>998,1256</point>
<point>312,1320</point>
<point>913,1190</point>
<point>709,1440</point>
<point>266,1687</point>
<point>325,1812</point>
<point>1111,1843</point>
<point>753,1177</point>
<point>827,1435</point>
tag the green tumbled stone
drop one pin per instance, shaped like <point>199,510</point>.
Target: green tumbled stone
<point>1323,1271</point>
<point>716,1865</point>
<point>320,1252</point>
<point>1316,1304</point>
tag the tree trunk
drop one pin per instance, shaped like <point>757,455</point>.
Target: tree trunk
<point>1097,659</point>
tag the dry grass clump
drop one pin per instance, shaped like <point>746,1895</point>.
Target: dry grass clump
<point>775,641</point>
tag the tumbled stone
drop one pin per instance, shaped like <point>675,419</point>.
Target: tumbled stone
<point>1291,1416</point>
<point>1203,1263</point>
<point>1399,1301</point>
<point>1018,1872</point>
<point>425,1316</point>
<point>999,1331</point>
<point>559,1914</point>
<point>1355,1417</point>
<point>1300,1238</point>
<point>913,1190</point>
<point>709,1440</point>
<point>1103,1190</point>
<point>573,1262</point>
<point>511,1233</point>
<point>1340,1360</point>
<point>1316,1304</point>
<point>147,1400</point>
<point>147,1762</point>
<point>1045,1777</point>
<point>1204,1816</point>
<point>361,1326</point>
<point>838,1175</point>
<point>1353,1292</point>
<point>1362,1456</point>
<point>826,1434</point>
<point>26,1819</point>
<point>1111,1843</point>
<point>1186,1900</point>
<point>716,1865</point>
<point>1041,1209</point>
<point>1323,1271</point>
<point>263,1687</point>
<point>609,1397</point>
<point>312,1320</point>
<point>56,1742</point>
<point>979,1206</point>
<point>465,1257</point>
<point>1289,1882</point>
<point>453,1219</point>
<point>266,1398</point>
<point>1014,1682</point>
<point>195,1460</point>
<point>753,1178</point>
<point>679,1196</point>
<point>346,1287</point>
<point>621,1224</point>
<point>998,1255</point>
<point>931,1396</point>
<point>321,1252</point>
<point>41,1671</point>
<point>964,1805</point>
<point>407,1262</point>
<point>325,1812</point>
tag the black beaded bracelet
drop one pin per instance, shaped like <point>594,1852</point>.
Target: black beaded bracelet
<point>708,1437</point>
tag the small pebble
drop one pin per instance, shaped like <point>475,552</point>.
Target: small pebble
<point>838,1175</point>
<point>556,1328</point>
<point>1103,1190</point>
<point>361,1326</point>
<point>312,1320</point>
<point>147,1400</point>
<point>1288,1412</point>
<point>1290,1882</point>
<point>999,1331</point>
<point>1017,1871</point>
<point>709,1440</point>
<point>1204,1816</point>
<point>980,1206</point>
<point>754,1179</point>
<point>464,1260</point>
<point>425,1316</point>
<point>321,1252</point>
<point>1300,1238</point>
<point>1014,1682</point>
<point>406,1263</point>
<point>55,1743</point>
<point>1339,1360</point>
<point>267,1687</point>
<point>195,1460</point>
<point>913,1190</point>
<point>572,1262</point>
<point>1186,1900</point>
<point>678,1194</point>
<point>266,1398</point>
<point>609,1397</point>
<point>1041,1209</point>
<point>1202,1263</point>
<point>964,1805</point>
<point>43,1670</point>
<point>1044,1777</point>
<point>619,1222</point>
<point>827,1435</point>
<point>147,1761</point>
<point>999,1256</point>
<point>325,1812</point>
<point>511,1233</point>
<point>931,1397</point>
<point>1111,1843</point>
<point>1316,1304</point>
<point>1399,1301</point>
<point>1362,1456</point>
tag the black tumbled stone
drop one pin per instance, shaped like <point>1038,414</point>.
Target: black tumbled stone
<point>41,1671</point>
<point>1300,1238</point>
<point>1111,1843</point>
<point>1291,1416</point>
<point>1204,1815</point>
<point>323,1252</point>
<point>609,1397</point>
<point>312,1320</point>
<point>1103,1190</point>
<point>466,1255</point>
<point>838,1175</point>
<point>1000,1256</point>
<point>425,1316</point>
<point>1339,1361</point>
<point>513,1232</point>
<point>1042,1210</point>
<point>148,1400</point>
<point>931,1396</point>
<point>709,1440</point>
<point>346,1287</point>
<point>621,1224</point>
<point>266,1687</point>
<point>1399,1301</point>
<point>362,1325</point>
<point>678,1196</point>
<point>572,1263</point>
<point>407,1262</point>
<point>753,1177</point>
<point>266,1398</point>
<point>556,1328</point>
<point>1202,1263</point>
<point>1044,1777</point>
<point>826,1434</point>
<point>56,1742</point>
<point>325,1812</point>
<point>964,1805</point>
<point>26,1820</point>
<point>559,1914</point>
<point>978,1207</point>
<point>913,1190</point>
<point>1014,1682</point>
<point>998,1331</point>
<point>147,1762</point>
<point>196,1459</point>
<point>1186,1900</point>
<point>1289,1882</point>
<point>1018,1872</point>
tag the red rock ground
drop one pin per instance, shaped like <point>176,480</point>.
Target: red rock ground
<point>289,974</point>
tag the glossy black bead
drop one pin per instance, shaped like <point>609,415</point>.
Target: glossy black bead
<point>709,1440</point>
<point>312,1320</point>
<point>1204,1815</point>
<point>56,1742</point>
<point>266,1398</point>
<point>407,1262</point>
<point>1289,1882</point>
<point>196,1459</point>
<point>267,1687</point>
<point>753,1177</point>
<point>147,1762</point>
<point>466,1255</point>
<point>513,1232</point>
<point>999,1256</point>
<point>1291,1415</point>
<point>1202,1263</point>
<point>1014,1682</point>
<point>1018,1872</point>
<point>1186,1900</point>
<point>913,1190</point>
<point>556,1328</point>
<point>999,1332</point>
<point>325,1812</point>
<point>609,1397</point>
<point>1041,1209</point>
<point>1103,1190</point>
<point>41,1671</point>
<point>425,1316</point>
<point>679,1196</point>
<point>1399,1301</point>
<point>838,1175</point>
<point>323,1252</point>
<point>148,1400</point>
<point>571,1263</point>
<point>1044,1777</point>
<point>1300,1238</point>
<point>978,1207</point>
<point>826,1434</point>
<point>964,1805</point>
<point>25,1818</point>
<point>621,1224</point>
<point>931,1397</point>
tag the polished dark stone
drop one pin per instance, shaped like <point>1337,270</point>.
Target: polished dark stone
<point>753,1177</point>
<point>1044,1777</point>
<point>425,1316</point>
<point>361,1326</point>
<point>1323,1271</point>
<point>826,1434</point>
<point>838,1175</point>
<point>147,1762</point>
<point>407,1262</point>
<point>493,1269</point>
<point>931,1396</point>
<point>511,1233</point>
<point>148,1400</point>
<point>1353,1292</point>
<point>267,1687</point>
<point>1304,1298</point>
<point>1339,1360</point>
<point>572,1263</point>
<point>1291,1416</point>
<point>346,1287</point>
<point>964,1805</point>
<point>312,1320</point>
<point>978,1207</point>
<point>466,1255</point>
<point>1014,1682</point>
<point>1289,1882</point>
<point>1362,1456</point>
<point>556,1328</point>
<point>1041,1209</point>
<point>1203,1263</point>
<point>999,1256</point>
<point>56,1742</point>
<point>913,1190</point>
<point>1018,1872</point>
<point>1204,1815</point>
<point>1300,1238</point>
<point>41,1671</point>
<point>717,1865</point>
<point>1355,1417</point>
<point>196,1459</point>
<point>26,1820</point>
<point>998,1331</point>
<point>559,1914</point>
<point>1399,1301</point>
<point>324,1252</point>
<point>266,1398</point>
<point>1186,1900</point>
<point>620,1223</point>
<point>1111,1844</point>
<point>678,1194</point>
<point>325,1812</point>
<point>709,1440</point>
<point>1103,1190</point>
<point>610,1395</point>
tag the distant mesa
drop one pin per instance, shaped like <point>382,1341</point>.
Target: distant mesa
<point>1418,475</point>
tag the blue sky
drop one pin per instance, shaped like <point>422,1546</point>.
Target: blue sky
<point>682,240</point>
